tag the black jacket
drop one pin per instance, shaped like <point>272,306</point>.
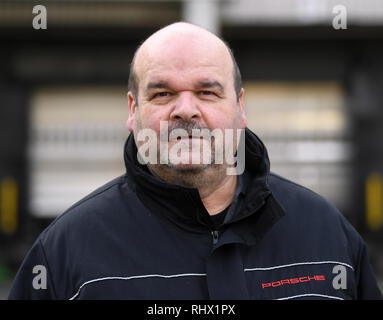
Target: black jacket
<point>140,238</point>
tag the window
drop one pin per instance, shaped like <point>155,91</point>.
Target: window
<point>76,144</point>
<point>306,131</point>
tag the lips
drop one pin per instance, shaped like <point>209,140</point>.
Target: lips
<point>181,131</point>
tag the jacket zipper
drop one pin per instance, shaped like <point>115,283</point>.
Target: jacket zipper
<point>215,235</point>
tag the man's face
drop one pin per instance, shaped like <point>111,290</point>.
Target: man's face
<point>189,85</point>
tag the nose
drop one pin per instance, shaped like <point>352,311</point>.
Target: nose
<point>186,108</point>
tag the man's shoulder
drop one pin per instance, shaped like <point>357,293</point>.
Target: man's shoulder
<point>98,194</point>
<point>309,209</point>
<point>306,206</point>
<point>95,205</point>
<point>291,194</point>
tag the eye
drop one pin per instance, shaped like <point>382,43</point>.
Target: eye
<point>162,94</point>
<point>207,93</point>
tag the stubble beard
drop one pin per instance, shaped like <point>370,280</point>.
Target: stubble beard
<point>190,175</point>
<point>187,175</point>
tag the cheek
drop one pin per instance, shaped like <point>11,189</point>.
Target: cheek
<point>151,119</point>
<point>149,116</point>
<point>222,119</point>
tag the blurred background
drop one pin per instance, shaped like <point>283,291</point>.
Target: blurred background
<point>314,95</point>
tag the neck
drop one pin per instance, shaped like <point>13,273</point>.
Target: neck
<point>216,188</point>
<point>221,196</point>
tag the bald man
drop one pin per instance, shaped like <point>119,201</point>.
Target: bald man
<point>198,214</point>
<point>185,76</point>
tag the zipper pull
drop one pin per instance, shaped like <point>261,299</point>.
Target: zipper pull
<point>215,235</point>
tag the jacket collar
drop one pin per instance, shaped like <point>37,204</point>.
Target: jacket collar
<point>183,205</point>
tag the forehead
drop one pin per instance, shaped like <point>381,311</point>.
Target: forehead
<point>184,60</point>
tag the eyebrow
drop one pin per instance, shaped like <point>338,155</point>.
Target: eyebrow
<point>157,85</point>
<point>210,84</point>
<point>201,85</point>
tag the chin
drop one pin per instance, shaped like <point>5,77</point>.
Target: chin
<point>192,168</point>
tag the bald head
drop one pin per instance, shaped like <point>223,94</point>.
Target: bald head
<point>181,43</point>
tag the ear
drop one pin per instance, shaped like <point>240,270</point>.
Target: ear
<point>242,108</point>
<point>132,111</point>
